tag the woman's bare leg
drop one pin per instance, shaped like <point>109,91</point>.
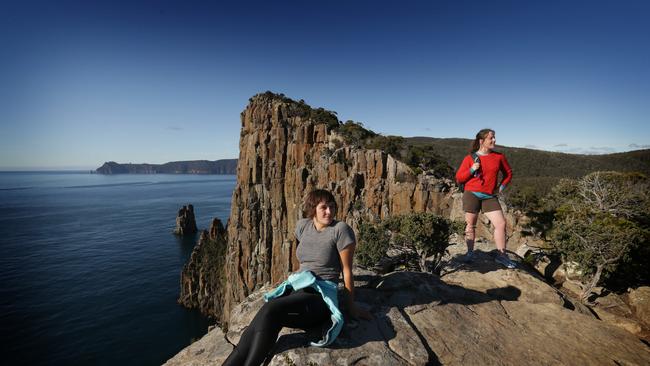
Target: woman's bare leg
<point>499,221</point>
<point>470,228</point>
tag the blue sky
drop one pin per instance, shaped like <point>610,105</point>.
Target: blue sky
<point>84,82</point>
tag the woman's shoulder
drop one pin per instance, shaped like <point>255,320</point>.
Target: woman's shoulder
<point>301,224</point>
<point>341,228</point>
<point>340,225</point>
<point>303,220</point>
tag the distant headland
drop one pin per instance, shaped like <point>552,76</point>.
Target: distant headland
<point>223,166</point>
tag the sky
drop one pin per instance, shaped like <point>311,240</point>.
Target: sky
<point>85,82</point>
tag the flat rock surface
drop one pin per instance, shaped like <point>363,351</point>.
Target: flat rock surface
<point>475,315</point>
<point>211,349</point>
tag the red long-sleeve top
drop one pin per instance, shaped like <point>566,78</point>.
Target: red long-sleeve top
<point>485,179</point>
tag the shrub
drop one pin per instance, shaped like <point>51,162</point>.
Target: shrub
<point>599,220</point>
<point>427,234</point>
<point>421,238</point>
<point>373,244</point>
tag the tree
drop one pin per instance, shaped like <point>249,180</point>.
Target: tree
<point>599,220</point>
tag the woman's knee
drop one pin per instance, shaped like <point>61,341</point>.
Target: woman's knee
<point>499,225</point>
<point>266,317</point>
<point>470,231</point>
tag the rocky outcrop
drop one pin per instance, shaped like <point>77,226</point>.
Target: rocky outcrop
<point>283,155</point>
<point>285,152</point>
<point>202,280</point>
<point>479,314</point>
<point>185,221</point>
<point>223,166</point>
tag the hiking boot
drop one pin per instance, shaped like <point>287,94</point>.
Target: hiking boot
<point>504,260</point>
<point>468,257</point>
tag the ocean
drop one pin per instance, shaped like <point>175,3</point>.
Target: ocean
<point>90,269</point>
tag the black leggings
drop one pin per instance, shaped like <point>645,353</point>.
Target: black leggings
<point>300,309</point>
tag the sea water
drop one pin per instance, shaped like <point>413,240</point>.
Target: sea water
<point>90,269</point>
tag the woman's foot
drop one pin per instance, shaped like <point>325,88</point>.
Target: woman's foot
<point>503,259</point>
<point>468,257</point>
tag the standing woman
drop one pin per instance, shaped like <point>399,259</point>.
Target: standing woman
<point>479,173</point>
<point>308,298</point>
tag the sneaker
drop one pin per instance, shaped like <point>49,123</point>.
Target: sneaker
<point>468,257</point>
<point>504,260</point>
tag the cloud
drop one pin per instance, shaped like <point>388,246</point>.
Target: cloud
<point>531,147</point>
<point>593,150</point>
<point>175,128</point>
<point>561,145</point>
<point>602,150</point>
<point>635,146</point>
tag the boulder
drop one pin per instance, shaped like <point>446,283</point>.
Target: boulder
<point>619,321</point>
<point>639,299</point>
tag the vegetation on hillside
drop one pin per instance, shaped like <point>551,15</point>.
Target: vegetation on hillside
<point>536,172</point>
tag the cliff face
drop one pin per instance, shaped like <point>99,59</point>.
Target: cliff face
<point>283,156</point>
<point>202,277</point>
<point>285,152</point>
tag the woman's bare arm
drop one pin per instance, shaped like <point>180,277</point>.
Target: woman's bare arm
<point>347,258</point>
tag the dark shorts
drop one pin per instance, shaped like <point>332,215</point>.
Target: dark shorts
<point>472,204</point>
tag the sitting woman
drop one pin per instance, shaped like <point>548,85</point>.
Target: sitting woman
<point>308,298</point>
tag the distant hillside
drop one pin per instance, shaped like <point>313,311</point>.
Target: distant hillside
<point>224,166</point>
<point>537,168</point>
<point>538,163</point>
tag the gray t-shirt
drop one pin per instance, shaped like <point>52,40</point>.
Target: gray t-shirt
<point>318,251</point>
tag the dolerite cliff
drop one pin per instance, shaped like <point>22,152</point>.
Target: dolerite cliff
<point>284,154</point>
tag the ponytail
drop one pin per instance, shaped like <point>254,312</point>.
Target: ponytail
<point>481,135</point>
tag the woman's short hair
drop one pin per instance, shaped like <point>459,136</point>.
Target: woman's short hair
<point>314,198</point>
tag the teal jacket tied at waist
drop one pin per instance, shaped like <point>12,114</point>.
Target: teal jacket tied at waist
<point>327,289</point>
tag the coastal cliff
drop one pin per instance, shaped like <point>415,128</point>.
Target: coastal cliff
<point>471,314</point>
<point>288,149</point>
<point>285,152</point>
<point>202,280</point>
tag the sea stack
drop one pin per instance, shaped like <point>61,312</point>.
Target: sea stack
<point>185,222</point>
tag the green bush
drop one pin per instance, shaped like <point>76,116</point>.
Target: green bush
<point>599,220</point>
<point>374,241</point>
<point>420,236</point>
<point>427,234</point>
